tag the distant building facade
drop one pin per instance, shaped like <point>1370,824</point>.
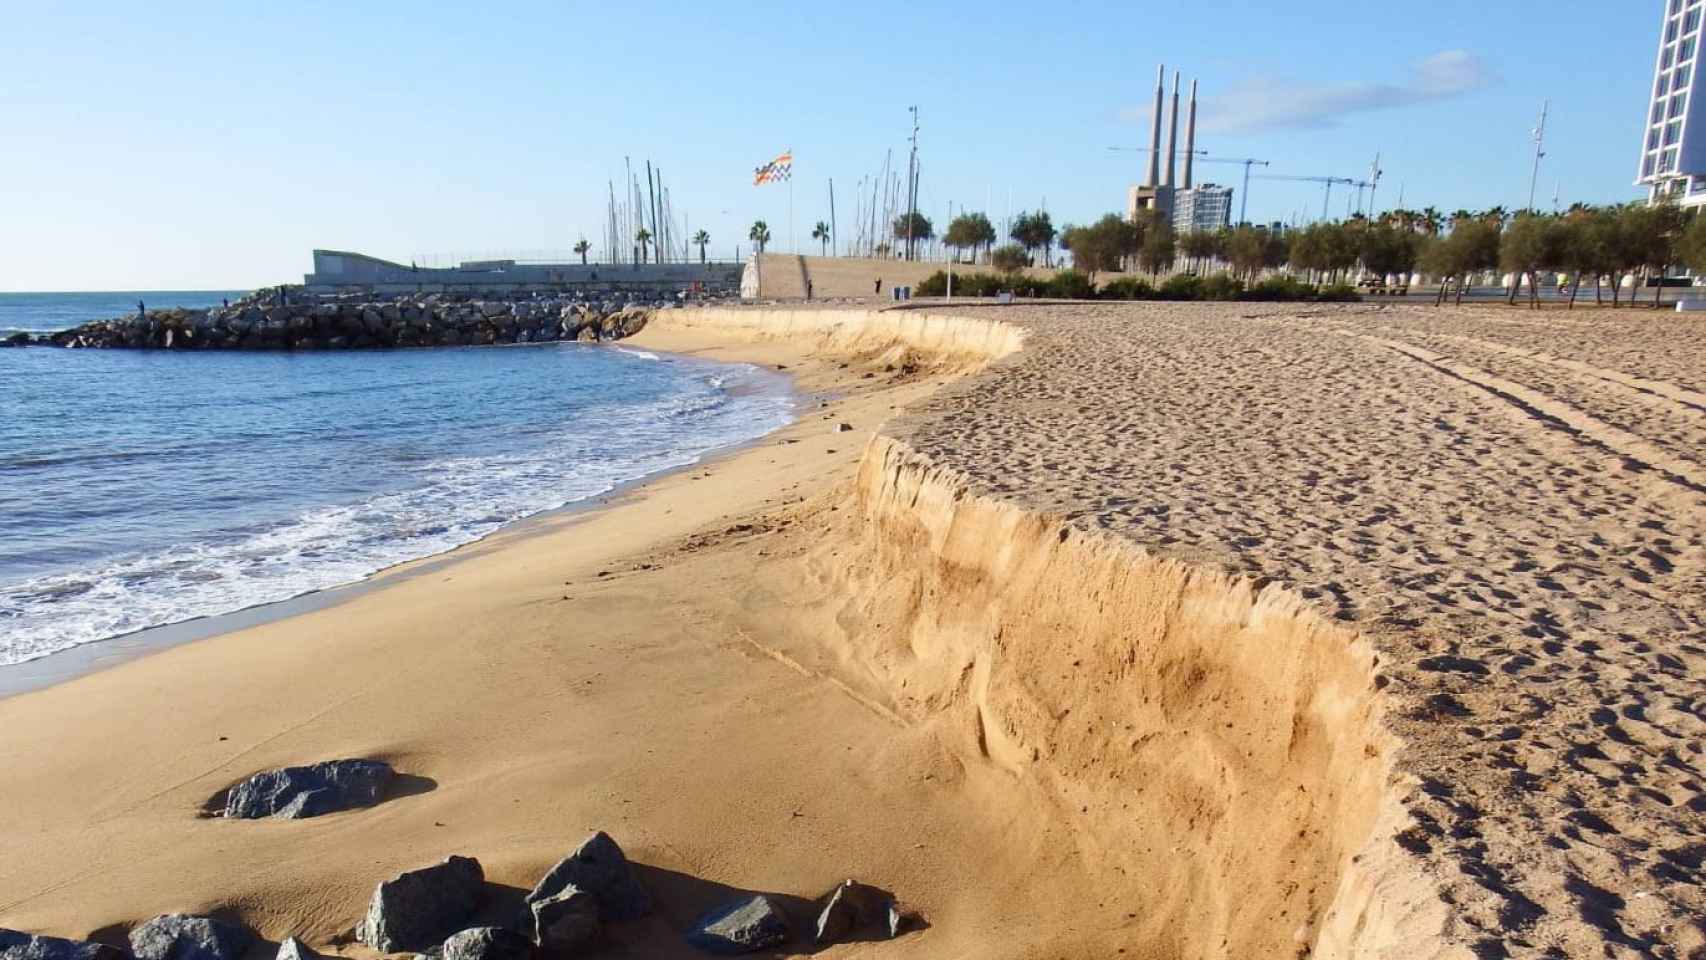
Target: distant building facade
<point>341,271</point>
<point>1673,148</point>
<point>1204,209</point>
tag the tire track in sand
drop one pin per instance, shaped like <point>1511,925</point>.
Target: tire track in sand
<point>1637,453</point>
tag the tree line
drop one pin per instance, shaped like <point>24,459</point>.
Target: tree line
<point>1598,244</point>
<point>1585,243</point>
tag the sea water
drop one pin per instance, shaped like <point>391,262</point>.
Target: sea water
<point>143,488</point>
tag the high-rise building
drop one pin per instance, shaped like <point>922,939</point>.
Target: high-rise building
<point>1203,209</point>
<point>1673,147</point>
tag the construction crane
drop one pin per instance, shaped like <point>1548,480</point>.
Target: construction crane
<point>1327,182</point>
<point>1203,157</point>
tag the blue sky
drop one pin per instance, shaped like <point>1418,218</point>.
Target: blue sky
<point>214,145</point>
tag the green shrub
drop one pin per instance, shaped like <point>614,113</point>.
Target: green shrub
<point>935,285</point>
<point>1220,286</point>
<point>1181,286</point>
<point>1339,293</point>
<point>1280,289</point>
<point>1128,288</point>
<point>1071,285</point>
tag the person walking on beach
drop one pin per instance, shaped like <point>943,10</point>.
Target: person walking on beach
<point>879,286</point>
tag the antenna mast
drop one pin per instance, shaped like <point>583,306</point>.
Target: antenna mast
<point>1539,151</point>
<point>912,186</point>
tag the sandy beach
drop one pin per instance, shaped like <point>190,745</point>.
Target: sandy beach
<point>1141,630</point>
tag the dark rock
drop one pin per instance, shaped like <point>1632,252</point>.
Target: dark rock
<point>294,949</point>
<point>741,927</point>
<point>179,937</point>
<point>15,945</point>
<point>567,921</point>
<point>854,910</point>
<point>487,943</point>
<point>298,792</point>
<point>599,867</point>
<point>418,909</point>
<point>19,339</point>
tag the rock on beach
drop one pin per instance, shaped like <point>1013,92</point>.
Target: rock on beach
<point>416,910</point>
<point>294,793</point>
<point>180,937</point>
<point>744,926</point>
<point>17,945</point>
<point>600,868</point>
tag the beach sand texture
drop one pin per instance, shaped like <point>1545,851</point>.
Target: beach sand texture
<point>1169,631</point>
<point>1508,504</point>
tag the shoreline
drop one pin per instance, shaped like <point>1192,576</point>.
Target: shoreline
<point>1033,626</point>
<point>69,663</point>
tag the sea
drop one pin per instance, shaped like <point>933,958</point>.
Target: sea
<point>146,488</point>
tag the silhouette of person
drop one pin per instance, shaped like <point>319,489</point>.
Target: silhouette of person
<point>141,310</point>
<point>879,286</point>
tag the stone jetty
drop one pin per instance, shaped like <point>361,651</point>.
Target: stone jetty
<point>278,319</point>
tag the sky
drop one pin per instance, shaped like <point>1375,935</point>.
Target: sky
<point>214,146</point>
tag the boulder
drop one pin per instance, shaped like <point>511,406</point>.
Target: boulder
<point>179,937</point>
<point>16,945</point>
<point>599,867</point>
<point>418,909</point>
<point>855,911</point>
<point>487,943</point>
<point>744,926</point>
<point>565,922</point>
<point>19,339</point>
<point>294,949</point>
<point>296,793</point>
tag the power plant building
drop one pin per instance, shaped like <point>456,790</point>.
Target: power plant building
<point>1673,148</point>
<point>1203,209</point>
<point>1189,208</point>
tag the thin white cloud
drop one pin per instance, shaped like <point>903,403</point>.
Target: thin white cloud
<point>1276,103</point>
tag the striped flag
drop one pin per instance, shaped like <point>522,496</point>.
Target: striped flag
<point>775,171</point>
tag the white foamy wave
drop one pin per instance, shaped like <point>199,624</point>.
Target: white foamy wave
<point>450,502</point>
<point>642,354</point>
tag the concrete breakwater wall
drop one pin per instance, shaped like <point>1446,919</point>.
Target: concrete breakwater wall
<point>430,321</point>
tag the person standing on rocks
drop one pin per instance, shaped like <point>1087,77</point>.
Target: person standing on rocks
<point>141,311</point>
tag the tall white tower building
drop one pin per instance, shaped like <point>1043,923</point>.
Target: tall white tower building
<point>1673,148</point>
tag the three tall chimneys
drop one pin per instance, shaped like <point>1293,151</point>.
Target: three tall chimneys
<point>1172,152</point>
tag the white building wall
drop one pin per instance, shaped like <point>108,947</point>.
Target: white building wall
<point>1673,140</point>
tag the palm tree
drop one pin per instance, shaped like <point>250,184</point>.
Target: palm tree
<point>642,238</point>
<point>702,238</point>
<point>759,234</point>
<point>581,248</point>
<point>820,233</point>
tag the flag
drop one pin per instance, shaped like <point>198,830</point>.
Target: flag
<point>776,170</point>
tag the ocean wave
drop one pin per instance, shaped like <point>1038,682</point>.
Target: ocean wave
<point>449,501</point>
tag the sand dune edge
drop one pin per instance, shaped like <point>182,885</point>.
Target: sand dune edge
<point>1216,743</point>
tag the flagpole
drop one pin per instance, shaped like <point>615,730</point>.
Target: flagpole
<point>791,244</point>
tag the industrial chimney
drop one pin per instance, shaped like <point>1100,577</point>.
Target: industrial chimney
<point>1173,133</point>
<point>1191,135</point>
<point>1155,132</point>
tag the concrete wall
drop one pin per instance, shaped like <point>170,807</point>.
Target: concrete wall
<point>784,275</point>
<point>335,269</point>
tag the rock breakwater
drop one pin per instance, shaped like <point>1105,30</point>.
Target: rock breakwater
<point>271,320</point>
